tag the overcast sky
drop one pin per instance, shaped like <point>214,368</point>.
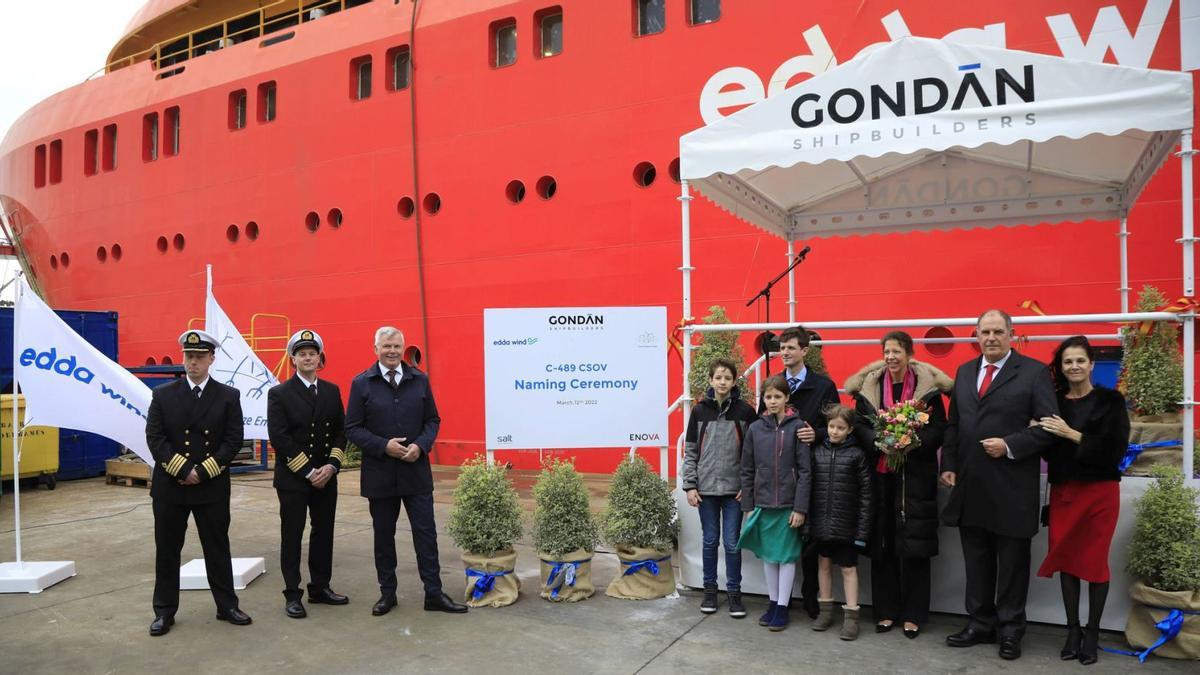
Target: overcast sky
<point>47,46</point>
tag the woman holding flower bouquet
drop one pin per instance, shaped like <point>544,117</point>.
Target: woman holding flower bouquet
<point>901,419</point>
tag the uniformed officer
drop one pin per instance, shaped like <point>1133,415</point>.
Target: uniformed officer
<point>194,430</point>
<point>305,420</point>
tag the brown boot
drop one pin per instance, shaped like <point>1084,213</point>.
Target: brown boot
<point>849,623</point>
<point>825,618</point>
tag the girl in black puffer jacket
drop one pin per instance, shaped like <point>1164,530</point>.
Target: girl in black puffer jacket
<point>840,515</point>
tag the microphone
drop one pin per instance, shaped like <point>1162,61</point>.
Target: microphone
<point>804,251</point>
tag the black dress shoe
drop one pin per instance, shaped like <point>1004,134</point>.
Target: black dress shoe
<point>884,628</point>
<point>384,605</point>
<point>1010,648</point>
<point>1088,649</point>
<point>295,609</point>
<point>234,616</point>
<point>1070,650</point>
<point>161,625</point>
<point>912,633</point>
<point>326,596</point>
<point>969,637</point>
<point>442,603</point>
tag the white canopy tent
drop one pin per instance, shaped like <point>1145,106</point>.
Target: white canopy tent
<point>921,134</point>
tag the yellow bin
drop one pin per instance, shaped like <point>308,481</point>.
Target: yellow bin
<point>39,445</point>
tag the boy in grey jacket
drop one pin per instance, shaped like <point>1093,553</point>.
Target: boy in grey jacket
<point>711,465</point>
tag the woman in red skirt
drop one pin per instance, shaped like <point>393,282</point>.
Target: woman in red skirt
<point>1084,493</point>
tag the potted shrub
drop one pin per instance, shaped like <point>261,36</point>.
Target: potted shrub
<point>713,346</point>
<point>484,523</point>
<point>564,533</point>
<point>1152,380</point>
<point>1165,558</point>
<point>641,523</point>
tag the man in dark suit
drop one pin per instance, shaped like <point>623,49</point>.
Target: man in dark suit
<point>811,394</point>
<point>194,430</point>
<point>991,459</point>
<point>306,422</point>
<point>392,417</point>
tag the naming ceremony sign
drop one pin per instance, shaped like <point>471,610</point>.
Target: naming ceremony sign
<point>575,377</point>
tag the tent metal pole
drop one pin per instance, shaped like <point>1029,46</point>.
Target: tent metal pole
<point>1123,235</point>
<point>791,257</point>
<point>1189,319</point>
<point>685,204</point>
<point>16,421</point>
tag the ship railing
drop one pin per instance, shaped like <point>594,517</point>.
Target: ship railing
<point>255,338</point>
<point>271,18</point>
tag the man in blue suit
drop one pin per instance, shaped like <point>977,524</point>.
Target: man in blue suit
<point>392,417</point>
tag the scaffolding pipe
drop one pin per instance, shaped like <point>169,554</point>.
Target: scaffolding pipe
<point>1189,318</point>
<point>1132,317</point>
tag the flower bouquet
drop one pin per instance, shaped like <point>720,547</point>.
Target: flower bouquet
<point>896,431</point>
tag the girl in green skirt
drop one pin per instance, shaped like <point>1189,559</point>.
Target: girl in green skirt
<point>776,481</point>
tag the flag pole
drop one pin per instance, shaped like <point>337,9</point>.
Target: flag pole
<point>16,409</point>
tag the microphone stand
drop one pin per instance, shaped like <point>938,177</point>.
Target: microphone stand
<point>765,294</point>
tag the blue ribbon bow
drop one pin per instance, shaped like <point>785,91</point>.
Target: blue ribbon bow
<point>484,581</point>
<point>1169,627</point>
<point>649,564</point>
<point>567,570</point>
<point>1136,449</point>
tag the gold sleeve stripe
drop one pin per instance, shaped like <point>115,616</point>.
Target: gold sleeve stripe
<point>211,466</point>
<point>175,464</point>
<point>296,463</point>
<point>338,454</point>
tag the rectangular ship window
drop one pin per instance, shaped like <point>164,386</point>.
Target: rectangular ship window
<point>266,101</point>
<point>55,162</point>
<point>550,31</point>
<point>399,68</point>
<point>503,43</point>
<point>237,110</point>
<point>360,78</point>
<point>704,11</point>
<point>91,154</point>
<point>108,153</point>
<point>39,166</point>
<point>649,16</point>
<point>150,137</point>
<point>171,127</point>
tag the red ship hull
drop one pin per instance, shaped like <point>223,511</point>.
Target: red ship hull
<point>586,117</point>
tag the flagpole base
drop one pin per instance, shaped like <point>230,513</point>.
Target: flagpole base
<point>193,577</point>
<point>34,577</point>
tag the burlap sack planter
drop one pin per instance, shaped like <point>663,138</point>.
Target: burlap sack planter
<point>1151,429</point>
<point>491,580</point>
<point>568,579</point>
<point>1150,606</point>
<point>645,574</point>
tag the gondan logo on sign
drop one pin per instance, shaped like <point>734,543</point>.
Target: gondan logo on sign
<point>926,94</point>
<point>576,321</point>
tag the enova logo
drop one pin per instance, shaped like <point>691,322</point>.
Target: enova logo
<point>919,96</point>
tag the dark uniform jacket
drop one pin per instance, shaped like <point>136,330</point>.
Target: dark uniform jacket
<point>185,433</point>
<point>376,413</point>
<point>998,495</point>
<point>306,432</point>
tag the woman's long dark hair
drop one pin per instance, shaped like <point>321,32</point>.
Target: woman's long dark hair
<point>1056,371</point>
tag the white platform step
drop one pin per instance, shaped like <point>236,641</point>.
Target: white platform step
<point>193,577</point>
<point>34,577</point>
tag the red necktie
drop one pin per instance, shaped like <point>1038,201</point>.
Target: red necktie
<point>987,378</point>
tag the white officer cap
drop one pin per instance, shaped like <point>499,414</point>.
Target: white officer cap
<point>305,338</point>
<point>197,341</point>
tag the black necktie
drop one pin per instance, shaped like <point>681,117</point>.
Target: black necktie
<point>313,388</point>
<point>391,375</point>
<point>197,391</point>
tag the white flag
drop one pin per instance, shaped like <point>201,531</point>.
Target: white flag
<point>69,383</point>
<point>237,366</point>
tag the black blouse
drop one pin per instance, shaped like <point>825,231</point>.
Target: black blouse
<point>1103,420</point>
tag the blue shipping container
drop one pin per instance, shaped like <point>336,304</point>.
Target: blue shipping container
<point>80,454</point>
